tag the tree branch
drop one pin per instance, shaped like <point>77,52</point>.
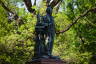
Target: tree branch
<point>57,8</point>
<point>19,21</point>
<point>54,3</point>
<point>29,6</point>
<point>35,2</point>
<point>8,10</point>
<point>5,7</point>
<point>75,21</point>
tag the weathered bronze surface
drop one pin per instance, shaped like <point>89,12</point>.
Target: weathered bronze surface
<point>45,32</point>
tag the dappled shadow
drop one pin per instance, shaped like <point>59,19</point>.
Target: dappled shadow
<point>92,59</point>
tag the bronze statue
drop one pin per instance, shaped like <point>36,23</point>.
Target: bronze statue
<point>45,32</point>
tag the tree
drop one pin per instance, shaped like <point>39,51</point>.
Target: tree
<point>75,29</point>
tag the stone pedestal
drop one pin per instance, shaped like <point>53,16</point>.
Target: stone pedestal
<point>47,61</point>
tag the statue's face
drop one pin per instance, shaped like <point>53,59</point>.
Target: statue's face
<point>49,10</point>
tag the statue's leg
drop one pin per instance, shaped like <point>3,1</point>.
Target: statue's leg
<point>42,45</point>
<point>50,43</point>
<point>37,48</point>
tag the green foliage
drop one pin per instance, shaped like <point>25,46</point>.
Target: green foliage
<point>76,46</point>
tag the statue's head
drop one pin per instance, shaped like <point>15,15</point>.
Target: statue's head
<point>49,10</point>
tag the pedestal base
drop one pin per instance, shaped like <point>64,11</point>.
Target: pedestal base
<point>47,61</point>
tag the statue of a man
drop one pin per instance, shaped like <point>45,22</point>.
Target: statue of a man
<point>50,31</point>
<point>45,32</point>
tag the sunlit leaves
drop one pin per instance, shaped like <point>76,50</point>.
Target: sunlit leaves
<point>75,46</point>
